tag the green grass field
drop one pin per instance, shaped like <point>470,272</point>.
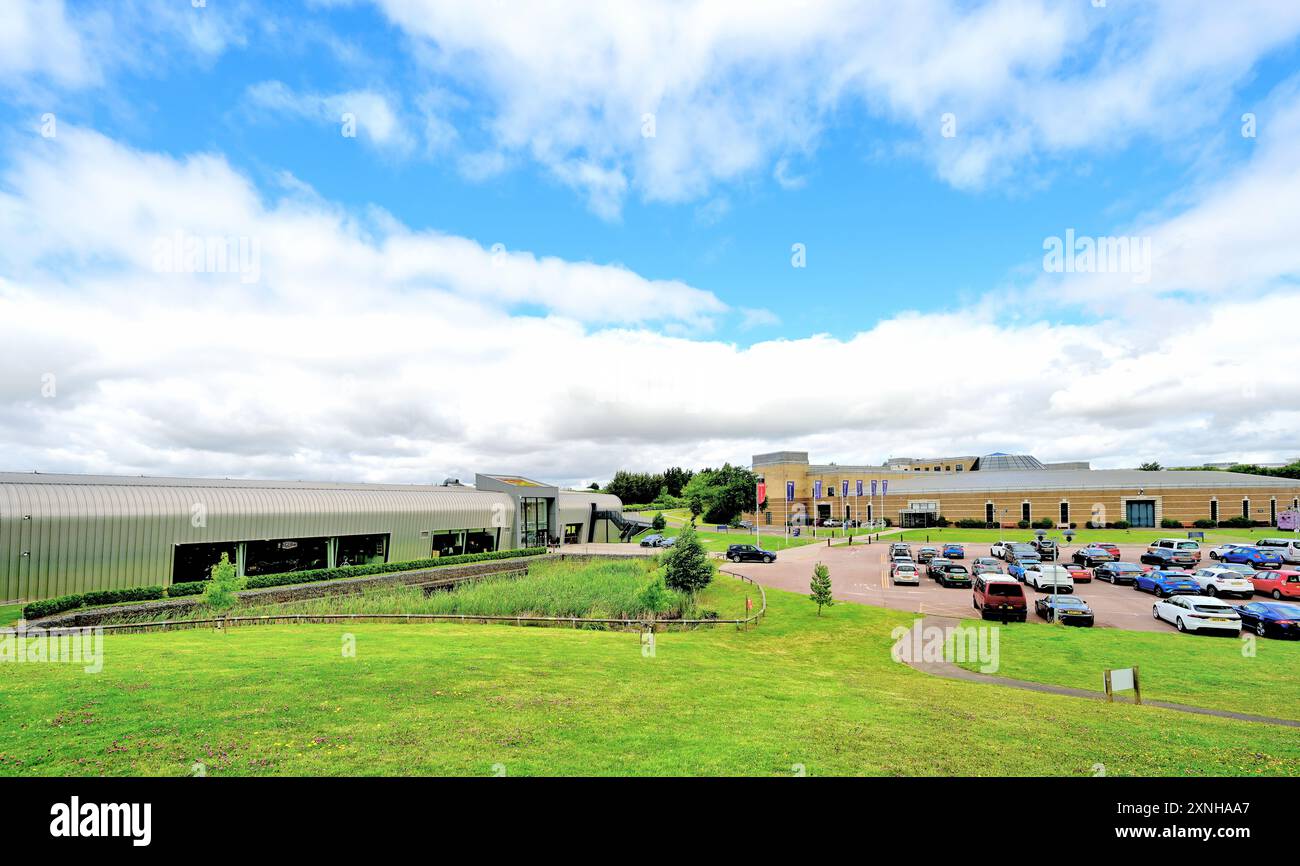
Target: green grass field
<point>10,614</point>
<point>1081,536</point>
<point>799,691</point>
<point>1199,670</point>
<point>718,542</point>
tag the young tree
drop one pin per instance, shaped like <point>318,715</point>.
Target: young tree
<point>655,597</point>
<point>821,587</point>
<point>686,565</point>
<point>659,522</point>
<point>220,593</point>
<point>1151,466</point>
<point>697,508</point>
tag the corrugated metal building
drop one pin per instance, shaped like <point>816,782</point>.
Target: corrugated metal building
<point>64,534</point>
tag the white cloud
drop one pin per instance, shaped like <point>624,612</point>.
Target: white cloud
<point>735,86</point>
<point>364,114</point>
<point>370,351</point>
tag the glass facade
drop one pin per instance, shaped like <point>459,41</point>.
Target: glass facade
<point>534,517</point>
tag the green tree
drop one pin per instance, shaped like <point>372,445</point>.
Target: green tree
<point>697,508</point>
<point>635,488</point>
<point>655,598</point>
<point>1151,466</point>
<point>676,479</point>
<point>724,493</point>
<point>821,587</point>
<point>659,522</point>
<point>593,486</point>
<point>220,593</point>
<point>687,566</point>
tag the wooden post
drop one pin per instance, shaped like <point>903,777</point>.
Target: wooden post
<point>1137,686</point>
<point>1110,695</point>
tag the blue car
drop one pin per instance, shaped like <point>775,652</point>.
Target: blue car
<point>1017,567</point>
<point>1253,556</point>
<point>953,551</point>
<point>1271,618</point>
<point>1167,583</point>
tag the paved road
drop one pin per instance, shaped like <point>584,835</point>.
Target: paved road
<point>859,573</point>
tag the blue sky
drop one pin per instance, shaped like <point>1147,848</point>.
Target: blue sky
<point>525,127</point>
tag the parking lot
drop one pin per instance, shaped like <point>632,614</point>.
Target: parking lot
<point>860,573</point>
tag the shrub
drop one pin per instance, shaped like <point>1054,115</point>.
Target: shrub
<point>1204,524</point>
<point>193,587</point>
<point>967,523</point>
<point>51,606</point>
<point>686,565</point>
<point>265,580</point>
<point>1170,523</point>
<point>1237,523</point>
<point>1119,524</point>
<point>118,596</point>
<point>219,594</point>
<point>1024,524</point>
<point>1045,523</point>
<point>941,521</point>
<point>659,522</point>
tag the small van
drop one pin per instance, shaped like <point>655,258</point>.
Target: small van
<point>997,596</point>
<point>1184,545</point>
<point>1287,548</point>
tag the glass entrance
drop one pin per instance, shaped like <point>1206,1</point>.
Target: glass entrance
<point>1141,512</point>
<point>534,521</point>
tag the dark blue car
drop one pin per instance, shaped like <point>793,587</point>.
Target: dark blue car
<point>1271,618</point>
<point>1167,583</point>
<point>1067,609</point>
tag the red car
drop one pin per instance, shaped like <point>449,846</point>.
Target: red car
<point>1078,572</point>
<point>997,596</point>
<point>1279,583</point>
<point>1113,549</point>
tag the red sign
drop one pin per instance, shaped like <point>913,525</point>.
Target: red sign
<point>762,491</point>
<point>749,603</point>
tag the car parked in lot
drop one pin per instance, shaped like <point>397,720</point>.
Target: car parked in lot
<point>1184,544</point>
<point>953,574</point>
<point>1048,577</point>
<point>999,549</point>
<point>1287,548</point>
<point>749,553</point>
<point>1078,573</point>
<point>1198,613</point>
<point>899,547</point>
<point>1018,550</point>
<point>1255,557</point>
<point>652,540</point>
<point>1216,580</point>
<point>935,565</point>
<point>896,555</point>
<point>1118,573</point>
<point>998,597</point>
<point>668,541</point>
<point>830,522</point>
<point>954,551</point>
<point>1166,583</point>
<point>1092,556</point>
<point>1066,609</point>
<point>1162,557</point>
<point>1046,548</point>
<point>905,572</point>
<point>1282,583</point>
<point>986,565</point>
<point>1270,618</point>
<point>925,554</point>
<point>1218,552</point>
<point>1108,546</point>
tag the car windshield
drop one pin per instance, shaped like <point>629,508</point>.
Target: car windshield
<point>1005,589</point>
<point>1188,545</point>
<point>1125,566</point>
<point>1290,611</point>
<point>1240,568</point>
<point>1217,609</point>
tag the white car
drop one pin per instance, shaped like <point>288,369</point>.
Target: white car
<point>907,573</point>
<point>1197,613</point>
<point>1218,552</point>
<point>999,549</point>
<point>1287,548</point>
<point>1218,580</point>
<point>1046,577</point>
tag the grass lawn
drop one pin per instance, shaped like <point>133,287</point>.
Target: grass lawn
<point>10,614</point>
<point>1081,536</point>
<point>718,542</point>
<point>1200,670</point>
<point>799,690</point>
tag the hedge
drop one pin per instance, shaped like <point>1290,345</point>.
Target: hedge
<point>51,606</point>
<point>261,581</point>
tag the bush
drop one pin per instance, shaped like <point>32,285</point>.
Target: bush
<point>687,566</point>
<point>1170,523</point>
<point>967,523</point>
<point>659,522</point>
<point>941,521</point>
<point>1024,524</point>
<point>118,596</point>
<point>51,606</point>
<point>1074,525</point>
<point>262,581</point>
<point>1045,523</point>
<point>193,587</point>
<point>1237,523</point>
<point>1204,524</point>
<point>1119,524</point>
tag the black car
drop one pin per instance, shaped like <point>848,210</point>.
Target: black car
<point>1046,548</point>
<point>1117,573</point>
<point>1066,609</point>
<point>1271,618</point>
<point>953,574</point>
<point>1163,558</point>
<point>749,553</point>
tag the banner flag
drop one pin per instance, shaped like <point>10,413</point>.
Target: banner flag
<point>873,487</point>
<point>789,491</point>
<point>844,488</point>
<point>859,486</point>
<point>817,490</point>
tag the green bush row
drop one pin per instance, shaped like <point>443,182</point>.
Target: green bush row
<point>51,606</point>
<point>262,581</point>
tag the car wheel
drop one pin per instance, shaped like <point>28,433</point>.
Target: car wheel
<point>1213,555</point>
<point>1180,625</point>
<point>1277,594</point>
<point>1155,612</point>
<point>767,559</point>
<point>1259,628</point>
<point>1212,591</point>
<point>1136,586</point>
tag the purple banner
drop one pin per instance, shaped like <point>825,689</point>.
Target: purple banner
<point>789,491</point>
<point>859,486</point>
<point>817,490</point>
<point>884,487</point>
<point>844,489</point>
<point>873,487</point>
